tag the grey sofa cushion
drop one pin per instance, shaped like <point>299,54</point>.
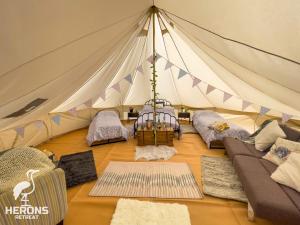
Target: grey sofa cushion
<point>266,196</point>
<point>236,147</point>
<point>292,134</point>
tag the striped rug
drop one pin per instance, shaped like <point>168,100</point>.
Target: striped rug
<point>147,179</point>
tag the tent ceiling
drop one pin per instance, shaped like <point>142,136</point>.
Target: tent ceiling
<point>247,50</point>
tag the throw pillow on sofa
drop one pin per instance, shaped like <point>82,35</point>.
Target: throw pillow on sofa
<point>288,172</point>
<point>281,150</point>
<point>268,136</point>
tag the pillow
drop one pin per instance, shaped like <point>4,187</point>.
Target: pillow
<point>288,172</point>
<point>281,150</point>
<point>147,108</point>
<point>267,136</point>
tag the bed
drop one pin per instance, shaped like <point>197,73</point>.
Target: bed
<point>203,120</point>
<point>106,127</point>
<point>165,113</point>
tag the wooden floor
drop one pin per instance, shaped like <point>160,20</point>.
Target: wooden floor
<point>86,210</point>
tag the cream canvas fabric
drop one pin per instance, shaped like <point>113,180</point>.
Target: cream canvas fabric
<point>288,146</point>
<point>267,136</point>
<point>288,172</point>
<point>70,53</point>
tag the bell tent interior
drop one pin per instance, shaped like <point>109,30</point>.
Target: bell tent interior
<point>150,112</point>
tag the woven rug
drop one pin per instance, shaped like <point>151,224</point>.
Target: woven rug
<point>135,212</point>
<point>188,129</point>
<point>151,152</point>
<point>220,180</point>
<point>147,179</point>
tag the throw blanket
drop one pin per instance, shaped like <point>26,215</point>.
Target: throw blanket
<point>219,126</point>
<point>14,164</point>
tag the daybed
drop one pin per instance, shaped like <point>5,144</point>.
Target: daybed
<point>267,198</point>
<point>164,114</point>
<point>203,120</point>
<point>106,127</point>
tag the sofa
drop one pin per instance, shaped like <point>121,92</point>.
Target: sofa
<point>267,199</point>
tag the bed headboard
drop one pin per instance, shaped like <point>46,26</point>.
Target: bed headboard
<point>161,101</point>
<point>109,109</point>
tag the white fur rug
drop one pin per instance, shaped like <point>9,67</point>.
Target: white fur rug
<point>151,152</point>
<point>136,212</point>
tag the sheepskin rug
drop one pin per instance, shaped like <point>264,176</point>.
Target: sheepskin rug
<point>136,212</point>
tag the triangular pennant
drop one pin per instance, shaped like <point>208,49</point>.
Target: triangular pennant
<point>168,65</point>
<point>263,110</point>
<point>286,117</point>
<point>245,104</point>
<point>150,59</point>
<point>88,103</point>
<point>103,95</point>
<point>157,57</point>
<point>209,89</point>
<point>39,124</point>
<point>226,96</point>
<point>128,78</point>
<point>116,86</point>
<point>140,69</point>
<point>73,111</point>
<point>56,119</point>
<point>196,81</point>
<point>20,131</point>
<point>181,73</point>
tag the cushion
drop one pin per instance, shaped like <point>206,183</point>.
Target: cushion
<point>268,136</point>
<point>288,172</point>
<point>281,150</point>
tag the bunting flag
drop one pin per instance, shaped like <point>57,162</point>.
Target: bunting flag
<point>128,78</point>
<point>73,111</point>
<point>196,81</point>
<point>226,96</point>
<point>286,117</point>
<point>168,65</point>
<point>39,124</point>
<point>209,89</point>
<point>20,131</point>
<point>88,103</point>
<point>157,57</point>
<point>116,86</point>
<point>56,119</point>
<point>263,110</point>
<point>245,104</point>
<point>140,69</point>
<point>150,59</point>
<point>181,73</point>
<point>102,95</point>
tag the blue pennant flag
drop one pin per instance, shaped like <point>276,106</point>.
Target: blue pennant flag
<point>56,119</point>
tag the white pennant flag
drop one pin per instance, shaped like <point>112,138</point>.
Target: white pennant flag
<point>263,110</point>
<point>116,86</point>
<point>150,59</point>
<point>103,95</point>
<point>196,81</point>
<point>181,73</point>
<point>226,96</point>
<point>129,78</point>
<point>157,57</point>
<point>73,111</point>
<point>245,104</point>
<point>140,69</point>
<point>88,103</point>
<point>286,117</point>
<point>209,89</point>
<point>20,131</point>
<point>168,65</point>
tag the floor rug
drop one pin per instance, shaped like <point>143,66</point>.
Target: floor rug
<point>151,152</point>
<point>219,179</point>
<point>188,129</point>
<point>147,179</point>
<point>135,212</point>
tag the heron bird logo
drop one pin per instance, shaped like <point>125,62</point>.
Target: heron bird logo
<point>19,189</point>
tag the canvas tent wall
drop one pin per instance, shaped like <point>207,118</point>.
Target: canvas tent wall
<point>69,52</point>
